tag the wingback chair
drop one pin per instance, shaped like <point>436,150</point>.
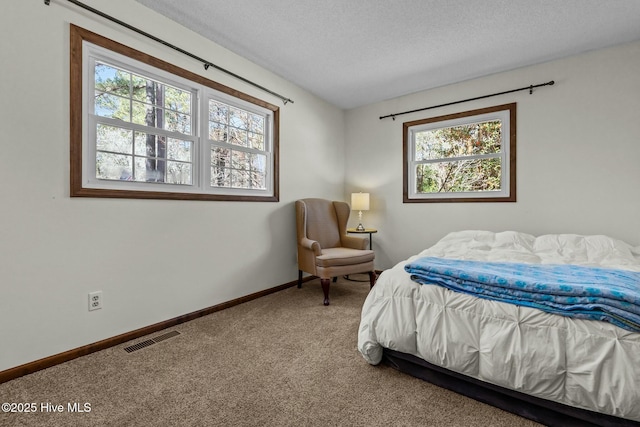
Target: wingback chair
<point>324,248</point>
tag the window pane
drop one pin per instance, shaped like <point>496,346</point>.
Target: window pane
<point>156,170</point>
<point>113,166</point>
<point>151,92</point>
<point>240,160</point>
<point>177,100</point>
<point>259,162</point>
<point>147,90</point>
<point>114,139</point>
<point>459,176</point>
<point>257,124</point>
<point>465,140</point>
<point>151,152</point>
<point>238,137</point>
<point>112,106</point>
<point>238,169</point>
<point>220,164</point>
<point>220,156</point>
<point>218,112</point>
<point>217,132</point>
<point>177,122</point>
<point>236,126</point>
<point>256,141</point>
<point>240,179</point>
<point>140,174</point>
<point>147,115</point>
<point>179,150</point>
<point>111,80</point>
<point>143,114</point>
<point>140,145</point>
<point>150,145</point>
<point>149,170</point>
<point>220,177</point>
<point>258,180</point>
<point>238,118</point>
<point>138,88</point>
<point>179,173</point>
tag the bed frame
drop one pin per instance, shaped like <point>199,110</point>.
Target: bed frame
<point>540,410</point>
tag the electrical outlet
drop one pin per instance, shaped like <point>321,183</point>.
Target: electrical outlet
<point>95,300</point>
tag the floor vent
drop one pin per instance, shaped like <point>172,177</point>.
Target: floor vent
<point>152,341</point>
<point>166,336</point>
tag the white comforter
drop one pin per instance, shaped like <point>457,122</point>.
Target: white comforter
<point>582,363</point>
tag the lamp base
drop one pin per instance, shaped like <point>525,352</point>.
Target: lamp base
<point>360,227</point>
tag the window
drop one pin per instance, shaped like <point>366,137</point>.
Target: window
<point>464,157</point>
<point>143,128</point>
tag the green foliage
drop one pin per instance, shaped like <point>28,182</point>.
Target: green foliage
<point>458,168</point>
<point>123,154</point>
<point>140,156</point>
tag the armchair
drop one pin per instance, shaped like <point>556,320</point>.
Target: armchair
<point>324,248</point>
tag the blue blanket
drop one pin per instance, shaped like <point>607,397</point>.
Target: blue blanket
<point>569,290</point>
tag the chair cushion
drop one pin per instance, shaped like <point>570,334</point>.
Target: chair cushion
<point>332,257</point>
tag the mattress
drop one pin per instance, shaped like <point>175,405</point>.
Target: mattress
<point>587,364</point>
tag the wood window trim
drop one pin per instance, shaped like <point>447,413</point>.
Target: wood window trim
<point>512,156</point>
<point>77,36</point>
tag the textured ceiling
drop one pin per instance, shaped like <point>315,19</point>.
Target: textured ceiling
<point>356,52</point>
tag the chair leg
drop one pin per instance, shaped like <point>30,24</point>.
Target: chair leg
<point>325,289</point>
<point>299,279</point>
<point>372,279</point>
<point>335,279</point>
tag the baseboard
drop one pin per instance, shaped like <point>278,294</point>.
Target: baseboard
<point>47,362</point>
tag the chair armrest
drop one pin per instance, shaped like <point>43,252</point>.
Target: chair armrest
<point>354,242</point>
<point>311,245</point>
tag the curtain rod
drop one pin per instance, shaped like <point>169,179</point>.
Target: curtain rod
<point>206,63</point>
<point>530,87</point>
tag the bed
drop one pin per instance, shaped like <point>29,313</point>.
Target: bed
<point>551,368</point>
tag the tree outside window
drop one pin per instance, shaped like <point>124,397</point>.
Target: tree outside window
<point>466,157</point>
<point>145,128</point>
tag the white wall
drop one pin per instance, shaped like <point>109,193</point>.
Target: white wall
<point>54,249</point>
<point>578,155</point>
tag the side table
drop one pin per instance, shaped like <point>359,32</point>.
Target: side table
<point>368,231</point>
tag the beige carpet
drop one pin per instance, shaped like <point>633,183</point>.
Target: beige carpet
<point>281,360</point>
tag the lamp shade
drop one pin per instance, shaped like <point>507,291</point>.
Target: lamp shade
<point>360,201</point>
